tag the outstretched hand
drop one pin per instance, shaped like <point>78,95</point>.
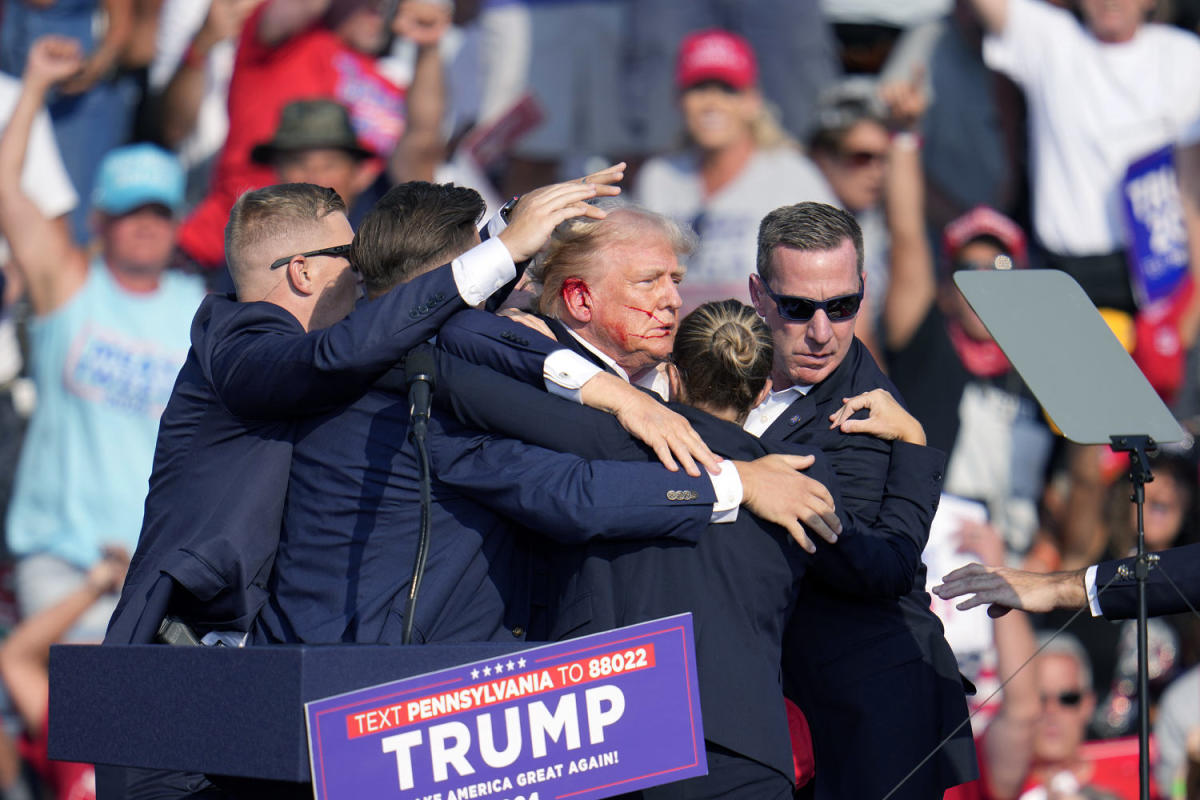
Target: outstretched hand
<point>539,212</point>
<point>774,488</point>
<point>1005,588</point>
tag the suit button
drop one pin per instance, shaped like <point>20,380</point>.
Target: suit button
<point>518,632</point>
<point>413,313</point>
<point>937,476</point>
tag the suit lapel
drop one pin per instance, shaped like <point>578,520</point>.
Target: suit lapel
<point>827,393</point>
<point>794,418</point>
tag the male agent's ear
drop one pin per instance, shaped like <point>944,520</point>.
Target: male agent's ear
<point>577,297</point>
<point>298,276</point>
<point>756,295</point>
<point>763,394</point>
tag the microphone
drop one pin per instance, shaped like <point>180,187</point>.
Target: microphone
<point>419,372</point>
<point>420,375</point>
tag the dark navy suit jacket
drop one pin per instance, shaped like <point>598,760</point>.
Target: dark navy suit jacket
<point>846,656</point>
<point>350,528</point>
<point>212,516</point>
<point>739,580</point>
<point>1171,585</point>
<point>881,559</point>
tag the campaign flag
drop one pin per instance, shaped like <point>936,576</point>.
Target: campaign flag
<point>591,717</point>
<point>1158,246</point>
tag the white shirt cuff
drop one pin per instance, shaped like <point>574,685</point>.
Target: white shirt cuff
<point>565,373</point>
<point>483,269</point>
<point>1089,582</point>
<point>495,225</point>
<point>728,487</point>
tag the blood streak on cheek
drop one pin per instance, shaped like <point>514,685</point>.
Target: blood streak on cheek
<point>662,323</point>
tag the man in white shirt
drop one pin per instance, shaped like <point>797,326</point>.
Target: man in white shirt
<point>1101,94</point>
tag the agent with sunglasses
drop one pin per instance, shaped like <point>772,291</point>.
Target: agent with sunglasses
<point>845,654</point>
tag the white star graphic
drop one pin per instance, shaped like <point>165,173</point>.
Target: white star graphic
<point>487,671</point>
<point>499,668</point>
<point>521,662</point>
<point>509,665</point>
<point>474,674</point>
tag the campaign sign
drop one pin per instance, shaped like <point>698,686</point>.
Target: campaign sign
<point>1158,252</point>
<point>591,717</point>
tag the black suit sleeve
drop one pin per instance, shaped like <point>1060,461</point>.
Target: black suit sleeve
<point>1171,585</point>
<point>487,400</point>
<point>262,370</point>
<point>883,558</point>
<point>565,497</point>
<point>499,343</point>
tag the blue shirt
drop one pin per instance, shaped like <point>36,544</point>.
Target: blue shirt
<point>104,364</point>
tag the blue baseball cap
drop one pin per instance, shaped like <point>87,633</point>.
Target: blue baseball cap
<point>137,175</point>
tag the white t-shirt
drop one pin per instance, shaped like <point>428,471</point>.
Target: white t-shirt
<point>1094,108</point>
<point>178,23</point>
<point>727,223</point>
<point>44,180</point>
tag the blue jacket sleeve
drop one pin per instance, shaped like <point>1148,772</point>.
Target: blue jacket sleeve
<point>482,398</point>
<point>565,497</point>
<point>262,367</point>
<point>882,558</point>
<point>499,343</point>
<point>1172,584</point>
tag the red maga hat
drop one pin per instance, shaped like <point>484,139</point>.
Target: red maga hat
<point>716,55</point>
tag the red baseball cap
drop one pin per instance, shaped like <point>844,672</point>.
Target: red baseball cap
<point>983,221</point>
<point>716,55</point>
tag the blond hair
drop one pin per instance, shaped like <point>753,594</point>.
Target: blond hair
<point>723,352</point>
<point>577,246</point>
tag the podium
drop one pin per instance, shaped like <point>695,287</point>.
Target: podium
<point>225,711</point>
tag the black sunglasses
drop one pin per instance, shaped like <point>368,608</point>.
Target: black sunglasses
<point>862,158</point>
<point>336,250</point>
<point>802,309</point>
<point>1064,699</point>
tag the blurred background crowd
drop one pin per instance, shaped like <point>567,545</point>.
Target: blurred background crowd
<point>1069,139</point>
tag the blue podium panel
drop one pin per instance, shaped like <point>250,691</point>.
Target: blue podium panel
<point>226,711</point>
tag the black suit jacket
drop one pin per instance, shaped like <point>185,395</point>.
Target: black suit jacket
<point>845,656</point>
<point>212,517</point>
<point>1172,584</point>
<point>353,512</point>
<point>739,581</point>
<point>734,591</point>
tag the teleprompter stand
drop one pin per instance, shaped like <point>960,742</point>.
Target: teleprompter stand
<point>1091,389</point>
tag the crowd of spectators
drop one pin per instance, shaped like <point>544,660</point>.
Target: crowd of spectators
<point>961,134</point>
